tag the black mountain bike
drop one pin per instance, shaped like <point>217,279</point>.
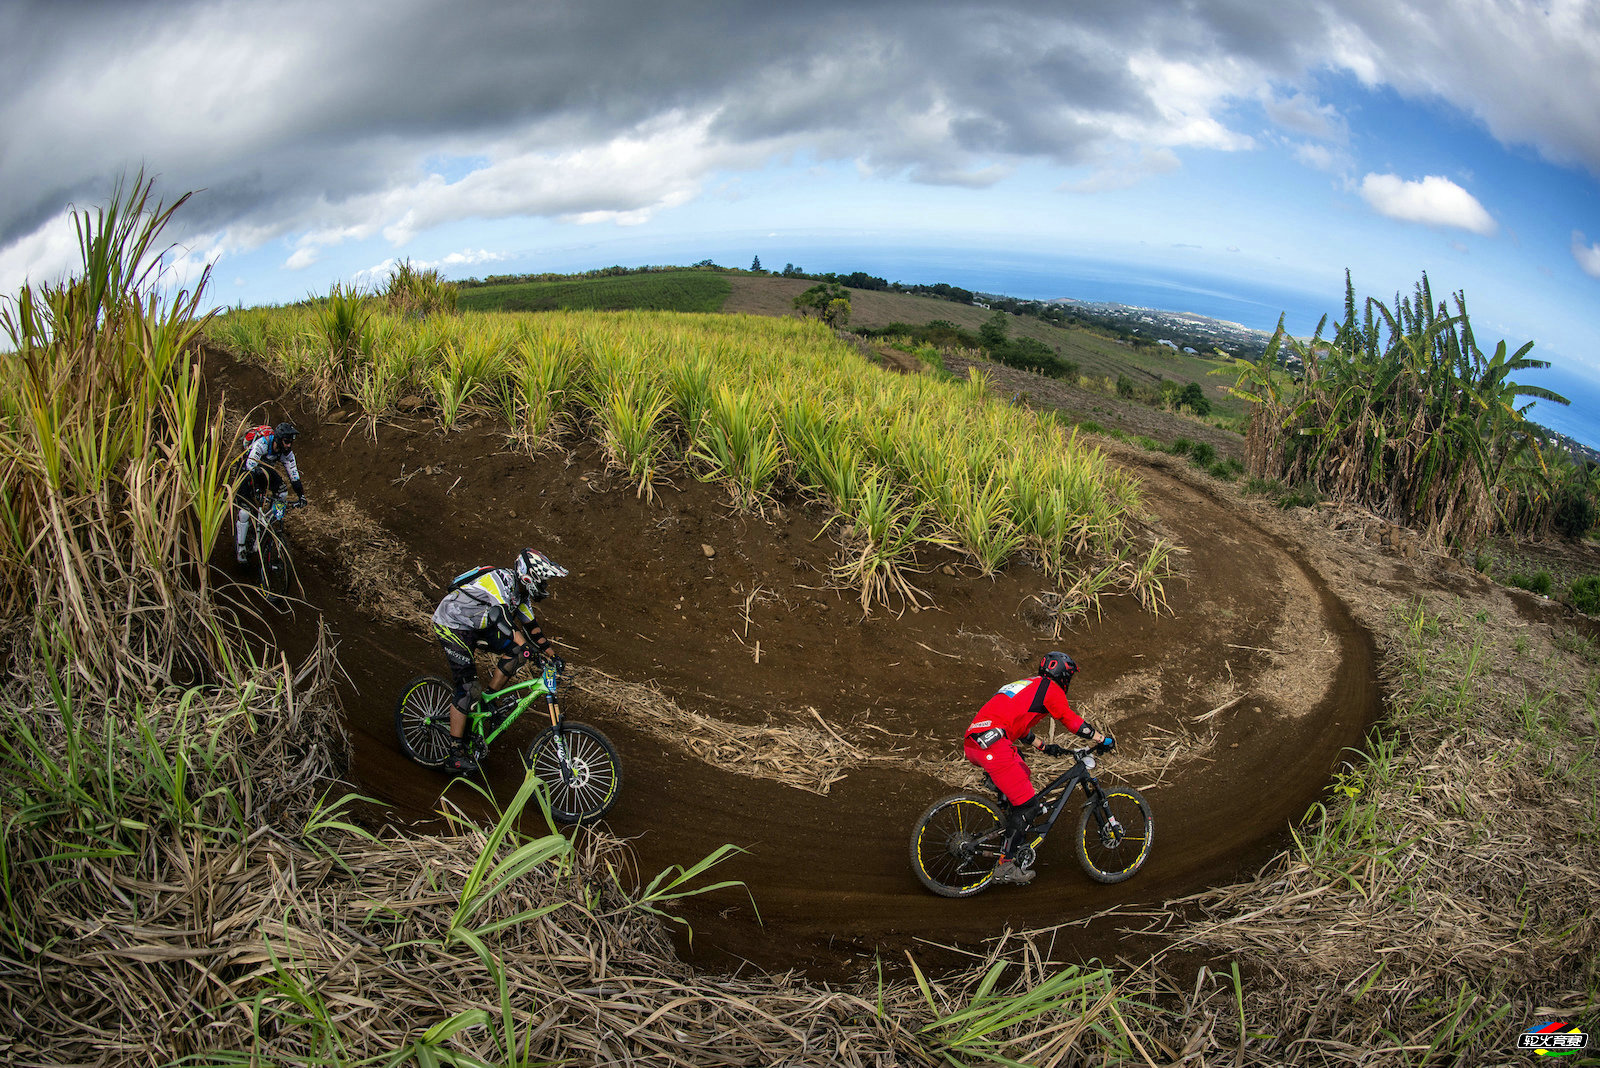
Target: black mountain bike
<point>577,763</point>
<point>273,569</point>
<point>957,842</point>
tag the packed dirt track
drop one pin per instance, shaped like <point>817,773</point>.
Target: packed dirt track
<point>1230,710</point>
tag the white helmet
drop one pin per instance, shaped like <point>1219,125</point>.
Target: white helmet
<point>533,568</point>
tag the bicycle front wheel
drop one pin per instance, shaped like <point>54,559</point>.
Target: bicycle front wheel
<point>272,557</point>
<point>1114,837</point>
<point>956,844</point>
<point>422,720</point>
<point>580,769</point>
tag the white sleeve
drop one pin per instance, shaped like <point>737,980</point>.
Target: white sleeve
<point>258,449</point>
<point>290,466</point>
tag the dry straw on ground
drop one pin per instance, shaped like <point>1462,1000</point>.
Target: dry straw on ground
<point>268,926</point>
<point>379,576</point>
<point>795,754</point>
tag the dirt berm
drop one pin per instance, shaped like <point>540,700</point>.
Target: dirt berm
<point>1230,710</point>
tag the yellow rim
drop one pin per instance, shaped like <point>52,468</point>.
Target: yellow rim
<point>1091,834</point>
<point>924,830</point>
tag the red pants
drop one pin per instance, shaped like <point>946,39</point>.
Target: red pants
<point>1008,770</point>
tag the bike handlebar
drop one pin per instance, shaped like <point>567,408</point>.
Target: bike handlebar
<point>1087,756</point>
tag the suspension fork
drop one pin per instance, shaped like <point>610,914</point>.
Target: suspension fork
<point>554,709</point>
<point>1095,802</point>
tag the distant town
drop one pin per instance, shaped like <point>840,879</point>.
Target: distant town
<point>1197,335</point>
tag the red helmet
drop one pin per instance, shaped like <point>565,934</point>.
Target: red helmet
<point>1058,667</point>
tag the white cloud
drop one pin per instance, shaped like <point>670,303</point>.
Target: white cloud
<point>468,257</point>
<point>1125,174</point>
<point>380,272</point>
<point>1530,72</point>
<point>299,117</point>
<point>1433,201</point>
<point>1187,97</point>
<point>1332,160</point>
<point>1317,156</point>
<point>51,253</point>
<point>1306,115</point>
<point>1588,256</point>
<point>625,181</point>
<point>303,257</point>
<point>45,255</point>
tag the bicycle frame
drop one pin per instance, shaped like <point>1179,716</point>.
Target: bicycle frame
<point>1081,773</point>
<point>268,518</point>
<point>543,685</point>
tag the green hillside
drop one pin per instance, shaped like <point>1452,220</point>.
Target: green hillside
<point>1096,355</point>
<point>684,291</point>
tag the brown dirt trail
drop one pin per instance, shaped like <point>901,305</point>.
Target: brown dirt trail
<point>1232,709</point>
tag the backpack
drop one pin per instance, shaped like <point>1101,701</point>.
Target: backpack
<point>472,574</point>
<point>467,578</point>
<point>250,436</point>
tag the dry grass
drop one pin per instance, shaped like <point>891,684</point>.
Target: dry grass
<point>146,848</point>
<point>1443,897</point>
<point>265,928</point>
<point>378,575</point>
<point>806,757</point>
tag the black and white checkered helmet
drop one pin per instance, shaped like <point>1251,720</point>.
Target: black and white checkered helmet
<point>533,568</point>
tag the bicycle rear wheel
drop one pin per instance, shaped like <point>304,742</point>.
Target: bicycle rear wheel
<point>1114,840</point>
<point>272,559</point>
<point>422,720</point>
<point>956,843</point>
<point>580,768</point>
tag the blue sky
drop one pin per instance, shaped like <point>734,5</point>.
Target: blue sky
<point>1264,146</point>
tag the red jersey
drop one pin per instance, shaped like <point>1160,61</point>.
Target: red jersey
<point>1012,709</point>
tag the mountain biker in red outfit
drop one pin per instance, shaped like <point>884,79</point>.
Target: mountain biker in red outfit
<point>1005,721</point>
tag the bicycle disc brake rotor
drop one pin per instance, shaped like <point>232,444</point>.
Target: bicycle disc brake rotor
<point>1111,834</point>
<point>576,770</point>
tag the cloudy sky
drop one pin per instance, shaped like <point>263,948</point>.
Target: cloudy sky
<point>1264,144</point>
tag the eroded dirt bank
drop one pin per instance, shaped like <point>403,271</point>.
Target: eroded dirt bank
<point>1231,709</point>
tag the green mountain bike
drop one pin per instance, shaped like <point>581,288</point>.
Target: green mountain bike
<point>958,840</point>
<point>576,762</point>
<point>268,547</point>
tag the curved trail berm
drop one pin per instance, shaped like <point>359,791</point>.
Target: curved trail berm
<point>1230,711</point>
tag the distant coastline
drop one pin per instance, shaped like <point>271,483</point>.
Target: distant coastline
<point>1228,300</point>
<point>1035,276</point>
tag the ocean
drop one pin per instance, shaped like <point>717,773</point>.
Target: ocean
<point>1252,304</point>
<point>1036,277</point>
